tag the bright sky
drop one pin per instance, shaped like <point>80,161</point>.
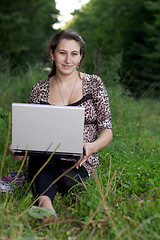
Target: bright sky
<point>66,7</point>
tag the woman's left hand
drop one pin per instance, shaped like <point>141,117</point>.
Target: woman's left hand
<point>88,150</point>
<point>101,142</point>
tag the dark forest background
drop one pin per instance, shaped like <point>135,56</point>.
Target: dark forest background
<point>122,31</point>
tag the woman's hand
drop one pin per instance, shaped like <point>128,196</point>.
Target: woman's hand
<point>14,156</point>
<point>101,142</point>
<point>88,150</point>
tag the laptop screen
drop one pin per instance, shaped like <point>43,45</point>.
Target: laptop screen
<point>41,128</point>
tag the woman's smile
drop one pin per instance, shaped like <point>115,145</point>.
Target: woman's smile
<point>66,66</point>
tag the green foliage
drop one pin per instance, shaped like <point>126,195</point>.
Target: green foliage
<point>138,152</point>
<point>14,87</point>
<point>25,27</point>
<point>130,27</point>
<point>152,56</point>
<point>3,128</point>
<point>99,30</point>
<point>39,212</point>
<point>122,200</point>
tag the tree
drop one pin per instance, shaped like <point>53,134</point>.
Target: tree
<point>152,55</point>
<point>96,25</point>
<point>25,27</point>
<point>131,27</point>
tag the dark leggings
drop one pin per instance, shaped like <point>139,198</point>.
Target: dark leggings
<point>52,171</point>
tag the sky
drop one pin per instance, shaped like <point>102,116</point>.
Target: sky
<point>66,7</point>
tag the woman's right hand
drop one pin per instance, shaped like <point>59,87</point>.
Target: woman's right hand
<point>14,156</point>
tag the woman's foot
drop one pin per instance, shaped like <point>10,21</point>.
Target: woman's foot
<point>44,212</point>
<point>45,202</point>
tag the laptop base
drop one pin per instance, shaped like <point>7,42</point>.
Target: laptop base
<point>48,154</point>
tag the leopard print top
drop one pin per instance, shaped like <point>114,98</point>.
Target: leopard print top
<point>97,110</point>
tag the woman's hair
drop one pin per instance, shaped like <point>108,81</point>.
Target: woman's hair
<point>69,35</point>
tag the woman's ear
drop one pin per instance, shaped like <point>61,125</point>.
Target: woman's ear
<point>51,55</point>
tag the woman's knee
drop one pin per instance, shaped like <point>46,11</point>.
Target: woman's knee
<point>66,183</point>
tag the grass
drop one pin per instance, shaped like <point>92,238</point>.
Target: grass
<point>120,201</point>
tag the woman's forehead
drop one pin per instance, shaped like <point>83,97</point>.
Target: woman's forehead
<point>68,45</point>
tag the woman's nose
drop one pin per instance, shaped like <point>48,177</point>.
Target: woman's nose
<point>67,59</point>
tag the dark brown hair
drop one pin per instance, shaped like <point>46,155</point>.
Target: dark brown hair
<point>69,35</point>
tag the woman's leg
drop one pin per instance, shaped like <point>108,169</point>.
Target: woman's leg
<point>43,179</point>
<point>71,178</point>
<point>51,171</point>
<point>45,201</point>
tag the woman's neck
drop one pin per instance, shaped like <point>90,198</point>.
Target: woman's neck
<point>66,78</point>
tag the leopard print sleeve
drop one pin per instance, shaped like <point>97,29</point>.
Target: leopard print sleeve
<point>40,92</point>
<point>33,97</point>
<point>101,103</point>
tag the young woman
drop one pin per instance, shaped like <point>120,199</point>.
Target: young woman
<point>66,85</point>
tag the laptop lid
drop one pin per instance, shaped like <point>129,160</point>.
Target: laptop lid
<point>41,128</point>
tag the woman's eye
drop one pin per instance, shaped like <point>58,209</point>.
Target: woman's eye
<point>74,54</point>
<point>62,53</point>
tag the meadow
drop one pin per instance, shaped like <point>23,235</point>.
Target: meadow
<point>121,200</point>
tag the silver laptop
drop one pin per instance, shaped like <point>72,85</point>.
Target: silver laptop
<point>41,128</point>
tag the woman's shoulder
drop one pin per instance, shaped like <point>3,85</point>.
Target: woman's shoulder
<point>94,81</point>
<point>91,77</point>
<point>41,84</point>
<point>39,90</point>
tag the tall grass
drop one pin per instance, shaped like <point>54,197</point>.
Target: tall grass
<point>120,201</point>
<point>15,87</point>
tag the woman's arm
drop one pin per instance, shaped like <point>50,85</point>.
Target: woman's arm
<point>14,156</point>
<point>101,142</point>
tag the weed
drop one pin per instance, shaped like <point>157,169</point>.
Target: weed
<point>121,200</point>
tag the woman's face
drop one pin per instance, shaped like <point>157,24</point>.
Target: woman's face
<point>66,56</point>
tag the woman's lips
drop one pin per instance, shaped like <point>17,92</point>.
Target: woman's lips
<point>67,66</point>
